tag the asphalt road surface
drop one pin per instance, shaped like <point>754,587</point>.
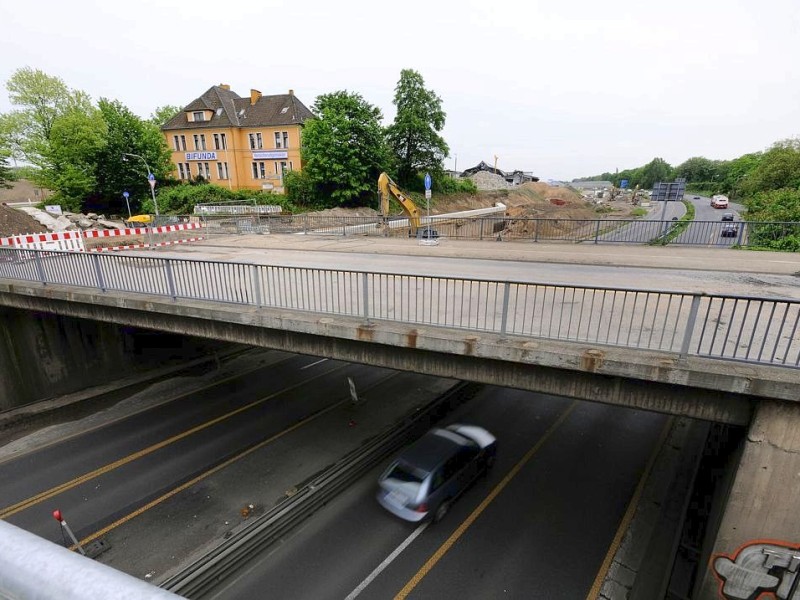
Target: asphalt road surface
<point>143,482</point>
<point>707,226</point>
<point>711,281</point>
<point>538,526</point>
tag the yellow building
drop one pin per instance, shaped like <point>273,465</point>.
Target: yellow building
<point>244,143</point>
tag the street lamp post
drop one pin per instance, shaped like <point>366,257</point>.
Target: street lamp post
<point>150,177</point>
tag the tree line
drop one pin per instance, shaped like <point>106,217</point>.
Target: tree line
<point>89,153</point>
<point>767,183</point>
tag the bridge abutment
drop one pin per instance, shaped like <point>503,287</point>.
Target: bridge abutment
<point>759,534</point>
<point>43,355</point>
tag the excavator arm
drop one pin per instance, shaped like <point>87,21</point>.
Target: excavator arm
<point>388,188</point>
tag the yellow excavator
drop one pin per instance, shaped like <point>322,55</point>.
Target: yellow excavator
<point>388,188</point>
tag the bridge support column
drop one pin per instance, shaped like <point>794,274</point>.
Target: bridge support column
<point>757,548</point>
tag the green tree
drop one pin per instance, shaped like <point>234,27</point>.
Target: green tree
<point>656,170</point>
<point>69,164</point>
<point>128,134</point>
<point>12,135</point>
<point>6,174</point>
<point>162,114</point>
<point>698,169</point>
<point>40,99</point>
<point>414,135</point>
<point>343,149</point>
<point>778,167</point>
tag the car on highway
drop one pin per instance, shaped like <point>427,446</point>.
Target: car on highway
<point>727,216</point>
<point>729,230</point>
<point>695,197</point>
<point>430,474</point>
<point>719,201</point>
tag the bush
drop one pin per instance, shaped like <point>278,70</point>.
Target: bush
<point>449,185</point>
<point>181,199</point>
<point>300,189</point>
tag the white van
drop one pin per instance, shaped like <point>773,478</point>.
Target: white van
<point>719,201</point>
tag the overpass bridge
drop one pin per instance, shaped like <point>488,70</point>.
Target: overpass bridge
<point>726,358</point>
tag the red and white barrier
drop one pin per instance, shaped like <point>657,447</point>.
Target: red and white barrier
<point>73,240</point>
<point>64,240</point>
<point>101,233</point>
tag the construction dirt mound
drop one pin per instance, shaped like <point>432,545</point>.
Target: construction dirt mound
<point>536,201</point>
<point>15,222</point>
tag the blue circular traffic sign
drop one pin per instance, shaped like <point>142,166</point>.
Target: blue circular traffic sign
<point>427,181</point>
<point>126,194</point>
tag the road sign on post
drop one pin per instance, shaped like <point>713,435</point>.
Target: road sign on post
<point>151,179</point>
<point>126,195</point>
<point>428,239</point>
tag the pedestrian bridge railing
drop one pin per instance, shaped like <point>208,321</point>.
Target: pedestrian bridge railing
<point>731,327</point>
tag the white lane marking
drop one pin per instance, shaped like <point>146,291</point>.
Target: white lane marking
<point>322,360</point>
<point>363,585</point>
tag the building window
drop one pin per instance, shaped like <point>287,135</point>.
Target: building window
<point>281,139</point>
<point>180,142</point>
<point>259,170</point>
<point>200,141</point>
<point>199,116</point>
<point>181,174</point>
<point>184,172</point>
<point>220,143</point>
<point>222,170</point>
<point>203,170</point>
<point>256,143</point>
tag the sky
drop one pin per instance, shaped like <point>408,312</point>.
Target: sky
<point>562,88</point>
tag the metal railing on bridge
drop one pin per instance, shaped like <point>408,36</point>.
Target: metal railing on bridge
<point>631,231</point>
<point>741,328</point>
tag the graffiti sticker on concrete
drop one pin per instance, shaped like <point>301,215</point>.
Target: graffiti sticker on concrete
<point>759,569</point>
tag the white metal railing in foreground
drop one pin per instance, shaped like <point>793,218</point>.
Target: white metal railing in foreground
<point>740,328</point>
<point>32,567</point>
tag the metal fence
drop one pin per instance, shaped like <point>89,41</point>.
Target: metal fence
<point>730,327</point>
<point>704,233</point>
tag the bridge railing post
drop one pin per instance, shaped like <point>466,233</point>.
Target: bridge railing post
<point>365,294</point>
<point>255,275</point>
<point>39,267</point>
<point>504,318</point>
<point>597,231</point>
<point>98,272</point>
<point>690,323</point>
<point>170,279</point>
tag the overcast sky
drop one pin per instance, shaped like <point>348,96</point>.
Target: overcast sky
<point>563,88</point>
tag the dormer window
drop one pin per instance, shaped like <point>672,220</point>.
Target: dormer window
<point>198,115</point>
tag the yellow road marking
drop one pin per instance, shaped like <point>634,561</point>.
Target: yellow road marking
<point>219,467</point>
<point>594,592</point>
<point>444,548</point>
<point>68,485</point>
<point>133,414</point>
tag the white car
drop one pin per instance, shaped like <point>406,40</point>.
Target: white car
<point>719,201</point>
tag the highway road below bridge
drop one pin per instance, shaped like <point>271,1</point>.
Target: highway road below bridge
<point>168,474</point>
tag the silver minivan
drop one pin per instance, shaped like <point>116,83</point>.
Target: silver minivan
<point>431,473</point>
